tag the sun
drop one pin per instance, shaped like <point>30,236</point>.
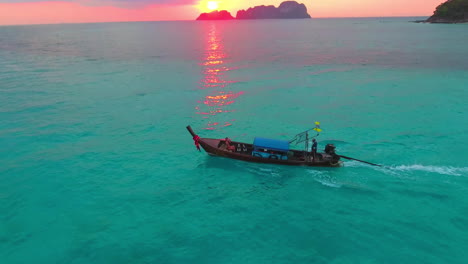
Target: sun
<point>212,5</point>
<point>209,5</point>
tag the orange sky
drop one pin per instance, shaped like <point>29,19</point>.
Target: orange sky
<point>14,12</point>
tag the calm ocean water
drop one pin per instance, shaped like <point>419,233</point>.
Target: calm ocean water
<point>97,167</point>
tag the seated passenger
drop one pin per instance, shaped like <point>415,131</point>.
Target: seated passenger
<point>229,147</point>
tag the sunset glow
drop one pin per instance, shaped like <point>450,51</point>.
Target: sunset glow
<point>212,5</point>
<point>206,6</point>
<point>81,11</point>
<point>219,100</point>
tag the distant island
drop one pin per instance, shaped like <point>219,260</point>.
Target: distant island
<point>452,11</point>
<point>286,10</point>
<point>216,15</point>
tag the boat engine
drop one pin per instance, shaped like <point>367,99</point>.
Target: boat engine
<point>330,149</point>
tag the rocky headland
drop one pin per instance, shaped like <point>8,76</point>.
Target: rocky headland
<point>452,11</point>
<point>286,10</point>
<point>216,15</point>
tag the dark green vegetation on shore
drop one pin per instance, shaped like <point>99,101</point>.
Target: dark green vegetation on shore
<point>452,11</point>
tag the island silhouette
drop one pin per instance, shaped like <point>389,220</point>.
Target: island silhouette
<point>286,10</point>
<point>451,11</point>
<point>216,15</point>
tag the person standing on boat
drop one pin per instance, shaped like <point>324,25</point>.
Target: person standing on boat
<point>314,148</point>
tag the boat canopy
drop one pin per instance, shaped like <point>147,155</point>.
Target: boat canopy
<point>272,144</point>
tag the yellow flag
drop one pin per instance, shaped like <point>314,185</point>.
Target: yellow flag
<point>317,127</point>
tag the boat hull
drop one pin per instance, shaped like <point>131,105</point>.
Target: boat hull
<point>243,152</point>
<point>210,146</point>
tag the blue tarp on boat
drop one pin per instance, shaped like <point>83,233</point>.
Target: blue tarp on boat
<point>272,144</point>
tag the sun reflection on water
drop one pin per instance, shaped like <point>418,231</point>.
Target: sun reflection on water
<point>219,98</point>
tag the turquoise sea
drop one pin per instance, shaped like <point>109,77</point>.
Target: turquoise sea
<point>96,165</point>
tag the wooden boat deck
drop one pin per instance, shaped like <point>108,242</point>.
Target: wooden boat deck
<point>243,151</point>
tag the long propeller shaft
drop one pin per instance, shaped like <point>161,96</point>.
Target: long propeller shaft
<point>370,163</point>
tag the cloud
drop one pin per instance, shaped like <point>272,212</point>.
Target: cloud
<point>136,2</point>
<point>120,3</point>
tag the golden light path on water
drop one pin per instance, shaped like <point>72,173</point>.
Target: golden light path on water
<point>219,98</point>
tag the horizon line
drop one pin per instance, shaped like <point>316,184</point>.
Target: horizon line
<point>187,20</point>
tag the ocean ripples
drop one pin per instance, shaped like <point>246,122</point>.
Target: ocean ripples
<point>96,156</point>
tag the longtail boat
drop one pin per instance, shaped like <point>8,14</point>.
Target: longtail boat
<point>266,150</point>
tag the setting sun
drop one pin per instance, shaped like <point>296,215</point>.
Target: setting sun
<point>212,5</point>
